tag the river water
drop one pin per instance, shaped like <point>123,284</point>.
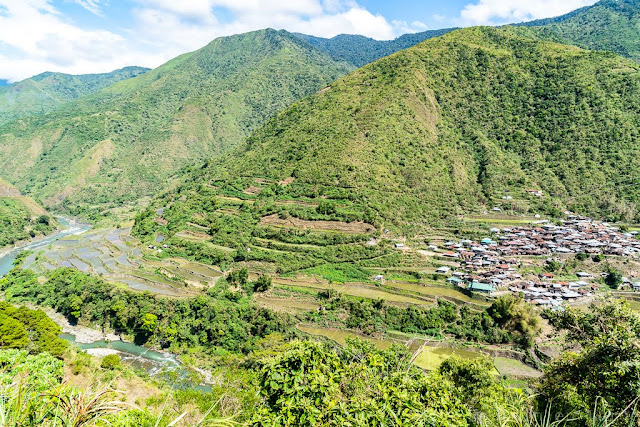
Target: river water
<point>71,227</point>
<point>153,362</point>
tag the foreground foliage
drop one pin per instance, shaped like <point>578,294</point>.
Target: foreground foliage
<point>604,373</point>
<point>198,321</point>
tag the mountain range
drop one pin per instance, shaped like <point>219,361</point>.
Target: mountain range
<point>89,142</point>
<point>43,93</point>
<point>127,140</point>
<point>450,126</point>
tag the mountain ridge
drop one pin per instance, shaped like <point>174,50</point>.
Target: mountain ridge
<point>46,91</point>
<point>127,140</point>
<point>437,131</point>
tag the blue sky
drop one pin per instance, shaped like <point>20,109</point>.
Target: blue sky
<point>90,36</point>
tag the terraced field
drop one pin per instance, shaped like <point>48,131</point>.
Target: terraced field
<point>116,256</point>
<point>340,336</point>
<point>437,291</point>
<point>431,357</point>
<point>286,304</point>
<point>354,289</point>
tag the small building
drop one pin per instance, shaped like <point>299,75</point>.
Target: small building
<point>484,288</point>
<point>455,280</point>
<point>443,270</point>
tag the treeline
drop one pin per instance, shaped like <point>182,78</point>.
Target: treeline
<point>149,319</point>
<point>508,320</point>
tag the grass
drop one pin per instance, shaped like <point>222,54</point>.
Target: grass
<point>357,291</point>
<point>514,368</point>
<point>341,273</point>
<point>435,291</point>
<point>340,336</point>
<point>430,358</point>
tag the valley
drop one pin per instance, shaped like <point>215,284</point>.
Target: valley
<point>281,229</point>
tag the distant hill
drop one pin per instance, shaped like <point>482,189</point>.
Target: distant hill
<point>441,129</point>
<point>21,218</point>
<point>360,50</point>
<point>612,25</point>
<point>43,93</point>
<point>127,140</point>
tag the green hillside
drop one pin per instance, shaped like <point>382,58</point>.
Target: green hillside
<point>21,218</point>
<point>126,141</point>
<point>611,25</point>
<point>359,50</point>
<point>43,93</point>
<point>445,128</point>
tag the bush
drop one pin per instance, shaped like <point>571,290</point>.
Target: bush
<point>111,361</point>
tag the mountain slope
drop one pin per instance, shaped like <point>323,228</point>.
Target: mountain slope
<point>360,50</point>
<point>43,93</point>
<point>127,140</point>
<point>612,25</point>
<point>21,217</point>
<point>447,127</point>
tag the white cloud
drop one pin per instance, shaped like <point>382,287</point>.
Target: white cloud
<point>495,12</point>
<point>405,27</point>
<point>92,6</point>
<point>157,30</point>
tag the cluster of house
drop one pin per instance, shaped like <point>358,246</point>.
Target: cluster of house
<point>492,264</point>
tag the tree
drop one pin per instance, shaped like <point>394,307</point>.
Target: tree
<point>613,279</point>
<point>12,333</point>
<point>310,385</point>
<point>149,322</point>
<point>605,372</point>
<point>513,313</point>
<point>263,284</point>
<point>326,207</point>
<point>110,362</point>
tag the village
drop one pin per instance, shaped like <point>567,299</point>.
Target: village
<point>492,266</point>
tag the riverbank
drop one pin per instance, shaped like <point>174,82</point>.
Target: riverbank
<point>83,334</point>
<point>64,224</point>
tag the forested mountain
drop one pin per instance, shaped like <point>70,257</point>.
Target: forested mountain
<point>360,50</point>
<point>44,92</point>
<point>126,140</point>
<point>612,25</point>
<point>444,128</point>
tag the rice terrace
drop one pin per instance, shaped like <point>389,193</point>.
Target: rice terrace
<point>320,213</point>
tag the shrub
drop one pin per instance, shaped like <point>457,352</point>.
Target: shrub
<point>111,361</point>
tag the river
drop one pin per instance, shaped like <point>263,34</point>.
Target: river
<point>70,227</point>
<point>153,362</point>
